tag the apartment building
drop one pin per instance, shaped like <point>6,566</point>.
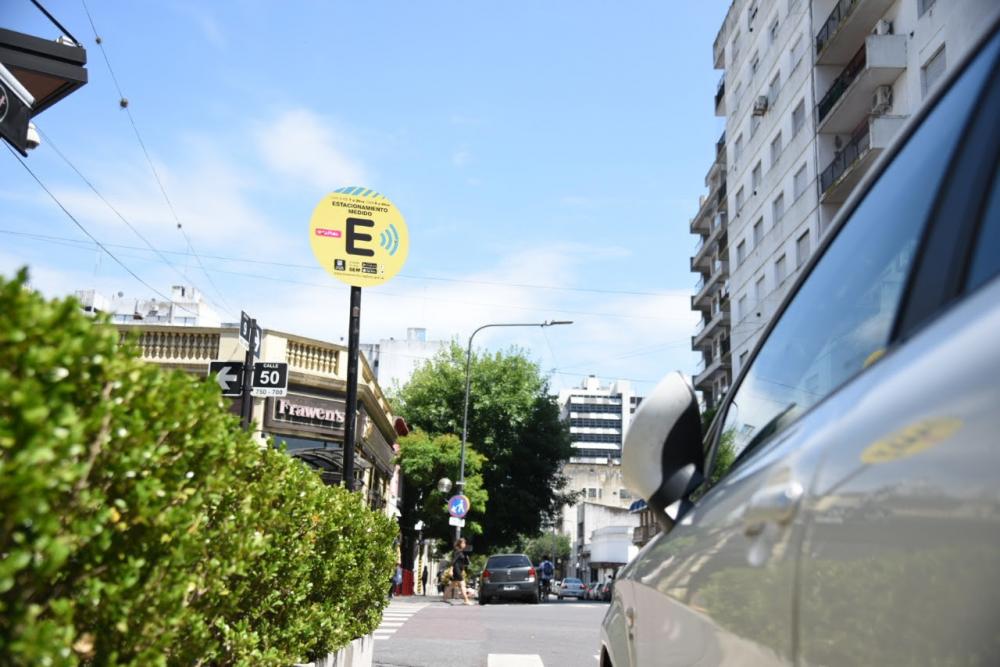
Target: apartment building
<point>812,92</point>
<point>598,417</point>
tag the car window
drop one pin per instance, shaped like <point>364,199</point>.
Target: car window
<point>840,320</point>
<point>570,580</point>
<point>986,255</point>
<point>508,561</point>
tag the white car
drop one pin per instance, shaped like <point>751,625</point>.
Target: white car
<point>859,520</point>
<point>571,588</point>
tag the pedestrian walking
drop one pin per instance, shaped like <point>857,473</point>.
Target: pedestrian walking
<point>397,579</point>
<point>423,579</point>
<point>459,564</point>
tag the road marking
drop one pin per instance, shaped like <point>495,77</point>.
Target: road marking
<point>514,660</point>
<point>393,619</point>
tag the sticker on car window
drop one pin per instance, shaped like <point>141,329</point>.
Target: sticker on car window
<point>911,440</point>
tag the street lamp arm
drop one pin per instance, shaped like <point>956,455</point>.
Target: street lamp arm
<point>460,485</point>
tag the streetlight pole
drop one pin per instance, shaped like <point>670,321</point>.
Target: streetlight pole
<point>460,484</point>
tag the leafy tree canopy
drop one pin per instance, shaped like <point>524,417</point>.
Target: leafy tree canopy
<point>424,459</point>
<point>513,423</point>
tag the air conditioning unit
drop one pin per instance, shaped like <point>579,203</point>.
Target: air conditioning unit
<point>881,100</point>
<point>883,27</point>
<point>760,105</point>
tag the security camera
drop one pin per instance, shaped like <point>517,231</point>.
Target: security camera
<point>32,140</point>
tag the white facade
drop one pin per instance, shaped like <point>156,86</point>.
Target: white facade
<point>186,307</point>
<point>395,360</point>
<point>593,519</point>
<point>814,91</point>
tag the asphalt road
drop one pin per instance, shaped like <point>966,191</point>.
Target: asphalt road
<point>417,632</point>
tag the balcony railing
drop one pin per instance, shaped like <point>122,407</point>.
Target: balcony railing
<point>859,144</point>
<point>722,195</point>
<point>842,83</point>
<point>720,92</point>
<point>840,12</point>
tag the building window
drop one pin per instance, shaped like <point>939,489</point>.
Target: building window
<point>751,14</point>
<point>759,289</point>
<point>923,6</point>
<point>799,184</point>
<point>755,177</point>
<point>743,359</point>
<point>772,90</point>
<point>734,49</point>
<point>932,71</point>
<point>739,199</point>
<point>754,124</point>
<point>773,30</point>
<point>741,252</point>
<point>758,232</point>
<point>776,148</point>
<point>754,64</point>
<point>796,52</point>
<point>742,308</point>
<point>799,117</point>
<point>780,270</point>
<point>738,149</point>
<point>624,494</point>
<point>778,207</point>
<point>802,249</point>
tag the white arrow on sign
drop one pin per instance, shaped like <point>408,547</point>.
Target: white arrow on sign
<point>224,378</point>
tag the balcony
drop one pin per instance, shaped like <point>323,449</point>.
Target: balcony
<point>879,62</point>
<point>837,181</point>
<point>701,223</point>
<point>704,379</point>
<point>705,288</point>
<point>705,245</point>
<point>845,29</point>
<point>720,97</point>
<point>703,335</point>
<point>720,149</point>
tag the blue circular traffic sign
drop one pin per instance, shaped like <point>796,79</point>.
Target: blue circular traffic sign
<point>458,506</point>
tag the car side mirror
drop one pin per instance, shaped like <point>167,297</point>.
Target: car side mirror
<point>662,458</point>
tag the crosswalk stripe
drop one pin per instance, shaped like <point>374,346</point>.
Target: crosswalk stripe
<point>514,660</point>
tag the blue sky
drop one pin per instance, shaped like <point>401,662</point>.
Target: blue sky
<point>547,157</point>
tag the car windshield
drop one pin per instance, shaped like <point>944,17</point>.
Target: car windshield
<point>571,581</point>
<point>515,560</point>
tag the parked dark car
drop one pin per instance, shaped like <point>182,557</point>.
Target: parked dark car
<point>508,576</point>
<point>859,522</point>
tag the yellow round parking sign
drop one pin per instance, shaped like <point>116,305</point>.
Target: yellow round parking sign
<point>359,236</point>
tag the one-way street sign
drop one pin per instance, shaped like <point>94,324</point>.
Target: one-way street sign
<point>270,379</point>
<point>228,375</point>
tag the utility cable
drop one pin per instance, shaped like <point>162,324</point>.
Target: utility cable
<point>123,102</point>
<point>91,236</point>
<point>52,145</point>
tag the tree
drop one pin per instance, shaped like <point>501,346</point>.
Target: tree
<point>555,545</point>
<point>514,424</point>
<point>423,460</point>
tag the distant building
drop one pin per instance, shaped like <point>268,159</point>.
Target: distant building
<point>394,361</point>
<point>602,541</point>
<point>598,418</point>
<point>186,307</point>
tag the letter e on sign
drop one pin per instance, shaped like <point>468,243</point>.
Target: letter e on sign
<point>359,236</point>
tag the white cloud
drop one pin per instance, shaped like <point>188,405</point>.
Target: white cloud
<point>461,158</point>
<point>305,146</point>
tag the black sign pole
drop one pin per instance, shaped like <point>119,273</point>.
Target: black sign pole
<point>246,407</point>
<point>350,418</point>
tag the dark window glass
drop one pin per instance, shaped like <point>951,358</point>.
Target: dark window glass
<point>500,562</point>
<point>986,257</point>
<point>841,318</point>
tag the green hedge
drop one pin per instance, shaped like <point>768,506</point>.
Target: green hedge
<point>139,525</point>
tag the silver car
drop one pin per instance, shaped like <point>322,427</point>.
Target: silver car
<point>844,506</point>
<point>571,587</point>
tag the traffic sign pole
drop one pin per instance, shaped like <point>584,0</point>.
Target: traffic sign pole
<point>246,406</point>
<point>350,425</point>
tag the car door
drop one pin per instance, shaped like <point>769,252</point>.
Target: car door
<point>722,587</point>
<point>903,525</point>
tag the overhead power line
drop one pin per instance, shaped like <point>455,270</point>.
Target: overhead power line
<point>91,236</point>
<point>159,253</point>
<point>124,104</point>
<point>408,276</point>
